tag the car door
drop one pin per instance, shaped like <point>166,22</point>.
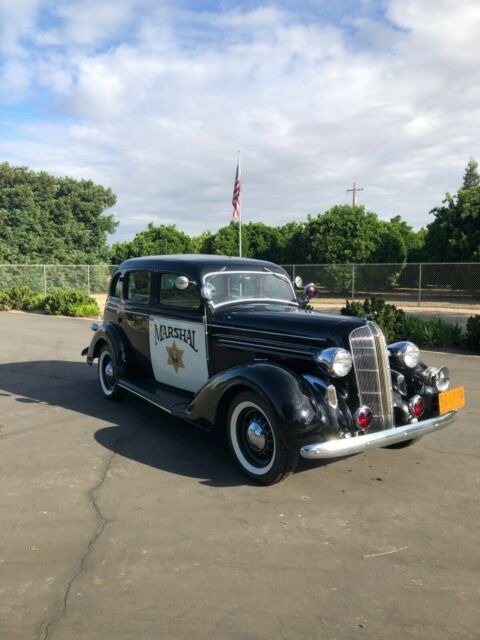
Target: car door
<point>133,316</point>
<point>177,333</point>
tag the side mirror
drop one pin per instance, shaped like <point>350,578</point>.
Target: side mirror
<point>208,291</point>
<point>182,283</point>
<point>310,291</point>
<point>298,282</point>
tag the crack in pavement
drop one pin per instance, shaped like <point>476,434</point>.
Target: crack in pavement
<point>47,625</point>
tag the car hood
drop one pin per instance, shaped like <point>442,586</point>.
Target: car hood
<point>285,322</point>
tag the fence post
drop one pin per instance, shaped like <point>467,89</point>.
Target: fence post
<point>293,273</point>
<point>45,280</point>
<point>419,283</point>
<point>88,279</point>
<point>353,282</point>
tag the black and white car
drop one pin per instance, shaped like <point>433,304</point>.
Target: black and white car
<point>223,343</point>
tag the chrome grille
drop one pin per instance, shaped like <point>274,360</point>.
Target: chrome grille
<point>372,372</point>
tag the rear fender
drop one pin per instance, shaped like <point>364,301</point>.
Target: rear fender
<point>108,334</point>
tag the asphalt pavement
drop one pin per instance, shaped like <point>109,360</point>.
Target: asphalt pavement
<point>120,522</point>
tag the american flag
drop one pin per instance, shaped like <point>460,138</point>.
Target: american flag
<point>237,187</point>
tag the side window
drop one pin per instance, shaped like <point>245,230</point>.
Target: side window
<point>171,294</point>
<point>116,286</point>
<point>138,287</point>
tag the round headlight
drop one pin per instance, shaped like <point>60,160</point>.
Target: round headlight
<point>411,355</point>
<point>442,379</point>
<point>406,353</point>
<point>336,361</point>
<point>439,378</point>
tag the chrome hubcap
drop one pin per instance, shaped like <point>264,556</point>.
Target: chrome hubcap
<point>256,436</point>
<point>109,373</point>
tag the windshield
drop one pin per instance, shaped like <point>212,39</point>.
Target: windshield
<point>230,286</point>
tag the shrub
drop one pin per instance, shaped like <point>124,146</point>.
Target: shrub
<point>387,316</point>
<point>353,309</point>
<point>20,297</point>
<point>87,310</point>
<point>303,303</point>
<point>70,302</point>
<point>397,325</point>
<point>5,301</point>
<point>473,333</point>
<point>431,333</point>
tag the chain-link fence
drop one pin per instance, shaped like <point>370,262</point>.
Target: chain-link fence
<point>456,283</point>
<point>452,283</point>
<point>42,278</point>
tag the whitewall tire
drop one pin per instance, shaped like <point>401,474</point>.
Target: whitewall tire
<point>255,442</point>
<point>108,375</point>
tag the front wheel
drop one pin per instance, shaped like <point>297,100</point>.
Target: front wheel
<point>108,375</point>
<point>402,445</point>
<point>254,440</point>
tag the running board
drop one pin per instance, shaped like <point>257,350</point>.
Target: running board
<point>170,400</point>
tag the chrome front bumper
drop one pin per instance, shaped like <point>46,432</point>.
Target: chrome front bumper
<point>359,444</point>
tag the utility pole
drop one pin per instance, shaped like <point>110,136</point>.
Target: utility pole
<point>354,194</point>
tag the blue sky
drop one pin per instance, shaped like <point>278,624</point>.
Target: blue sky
<point>154,100</point>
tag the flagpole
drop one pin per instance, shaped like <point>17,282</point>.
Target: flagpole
<point>240,217</point>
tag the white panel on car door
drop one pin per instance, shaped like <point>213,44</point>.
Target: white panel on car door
<point>178,352</point>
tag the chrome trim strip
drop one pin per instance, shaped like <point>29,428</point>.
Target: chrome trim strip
<point>126,386</point>
<point>275,344</point>
<point>266,348</point>
<point>269,333</point>
<point>261,300</point>
<point>360,444</point>
<point>135,313</point>
<point>384,374</point>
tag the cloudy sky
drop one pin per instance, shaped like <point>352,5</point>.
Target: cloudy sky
<point>154,99</point>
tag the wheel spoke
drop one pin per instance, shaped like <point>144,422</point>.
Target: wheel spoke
<point>256,437</point>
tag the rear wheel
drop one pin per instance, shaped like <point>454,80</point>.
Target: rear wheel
<point>108,375</point>
<point>255,442</point>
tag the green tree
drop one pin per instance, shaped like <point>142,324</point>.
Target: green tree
<point>292,243</point>
<point>155,240</point>
<point>225,242</point>
<point>397,242</point>
<point>44,218</point>
<point>342,234</point>
<point>471,178</point>
<point>263,241</point>
<point>202,243</point>
<point>454,235</point>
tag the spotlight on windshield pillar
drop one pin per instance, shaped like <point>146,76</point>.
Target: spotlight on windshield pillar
<point>310,291</point>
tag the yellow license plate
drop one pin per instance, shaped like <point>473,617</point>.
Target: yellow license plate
<point>451,400</point>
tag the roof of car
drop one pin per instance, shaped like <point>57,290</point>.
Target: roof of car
<point>198,264</point>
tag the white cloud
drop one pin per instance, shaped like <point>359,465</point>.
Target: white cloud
<point>161,100</point>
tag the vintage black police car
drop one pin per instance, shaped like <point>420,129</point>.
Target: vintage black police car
<point>222,342</point>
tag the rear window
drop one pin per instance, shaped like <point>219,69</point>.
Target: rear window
<point>138,287</point>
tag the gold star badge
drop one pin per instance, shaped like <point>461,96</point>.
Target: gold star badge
<point>175,357</point>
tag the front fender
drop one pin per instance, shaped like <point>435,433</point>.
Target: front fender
<point>290,397</point>
<point>109,334</point>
